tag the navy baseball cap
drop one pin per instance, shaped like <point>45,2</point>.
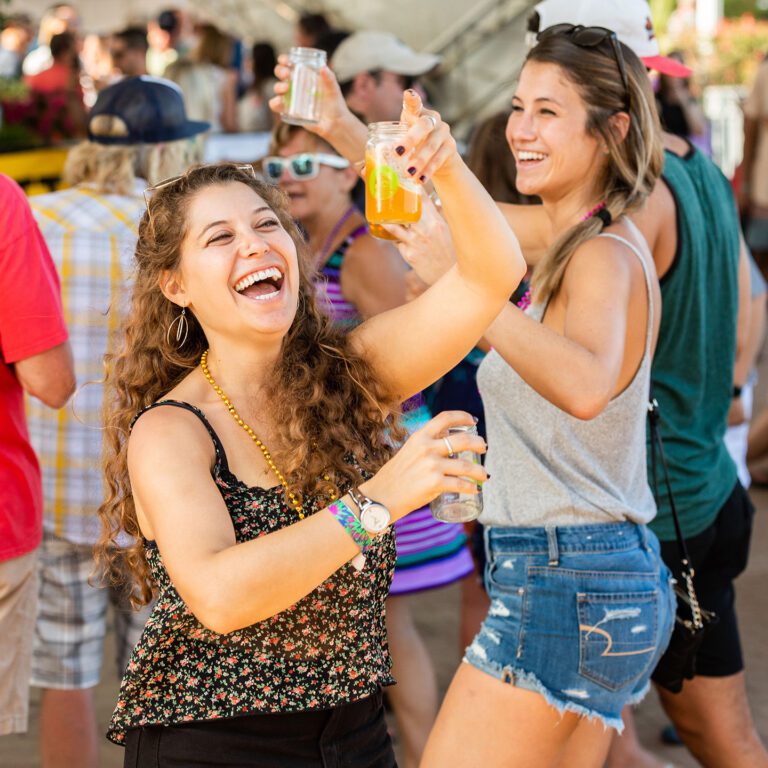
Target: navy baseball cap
<point>150,110</point>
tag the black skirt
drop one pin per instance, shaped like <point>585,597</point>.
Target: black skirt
<point>348,736</point>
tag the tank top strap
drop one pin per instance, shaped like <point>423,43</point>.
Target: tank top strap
<point>646,272</point>
<point>221,456</point>
<point>348,240</point>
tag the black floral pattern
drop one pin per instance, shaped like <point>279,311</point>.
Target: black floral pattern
<point>327,649</point>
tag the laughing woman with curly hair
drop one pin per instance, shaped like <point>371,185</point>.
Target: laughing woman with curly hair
<point>250,456</point>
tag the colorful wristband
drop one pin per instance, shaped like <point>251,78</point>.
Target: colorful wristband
<point>350,523</point>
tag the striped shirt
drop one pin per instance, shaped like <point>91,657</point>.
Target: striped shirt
<point>92,238</point>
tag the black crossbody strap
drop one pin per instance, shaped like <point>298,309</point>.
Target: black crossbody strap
<point>657,446</point>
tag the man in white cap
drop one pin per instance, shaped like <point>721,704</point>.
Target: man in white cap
<point>373,69</point>
<point>692,228</point>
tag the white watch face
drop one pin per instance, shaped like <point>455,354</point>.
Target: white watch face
<point>375,518</point>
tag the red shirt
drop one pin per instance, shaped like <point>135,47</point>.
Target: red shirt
<point>58,77</point>
<point>31,322</point>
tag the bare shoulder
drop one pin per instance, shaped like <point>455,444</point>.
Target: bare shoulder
<point>168,436</point>
<point>368,250</point>
<point>600,266</point>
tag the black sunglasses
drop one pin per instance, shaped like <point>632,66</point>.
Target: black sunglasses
<point>592,37</point>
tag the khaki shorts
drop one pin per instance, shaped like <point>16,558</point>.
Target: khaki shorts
<point>18,608</point>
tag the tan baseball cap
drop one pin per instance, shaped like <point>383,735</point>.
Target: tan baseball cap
<point>629,19</point>
<point>368,51</point>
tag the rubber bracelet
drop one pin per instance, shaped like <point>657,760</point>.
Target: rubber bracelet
<point>349,522</point>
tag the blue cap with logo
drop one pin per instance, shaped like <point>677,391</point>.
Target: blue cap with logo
<point>148,110</point>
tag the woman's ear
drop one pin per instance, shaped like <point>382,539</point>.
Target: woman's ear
<point>172,288</point>
<point>619,124</point>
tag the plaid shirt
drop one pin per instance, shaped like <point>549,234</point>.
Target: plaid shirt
<point>92,238</point>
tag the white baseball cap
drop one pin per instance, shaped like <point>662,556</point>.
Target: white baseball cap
<point>368,51</point>
<point>629,19</point>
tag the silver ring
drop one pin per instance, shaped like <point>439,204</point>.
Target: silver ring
<point>432,119</point>
<point>448,445</point>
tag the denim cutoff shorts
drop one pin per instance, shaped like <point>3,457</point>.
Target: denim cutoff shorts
<point>580,614</point>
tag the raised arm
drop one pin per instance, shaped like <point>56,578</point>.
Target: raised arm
<point>181,509</point>
<point>589,355</point>
<point>413,345</point>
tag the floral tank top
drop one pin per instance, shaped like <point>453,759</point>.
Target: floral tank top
<point>327,649</point>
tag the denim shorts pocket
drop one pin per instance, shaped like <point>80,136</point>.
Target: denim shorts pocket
<point>506,573</point>
<point>618,636</point>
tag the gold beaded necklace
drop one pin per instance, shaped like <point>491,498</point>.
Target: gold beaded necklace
<point>236,416</point>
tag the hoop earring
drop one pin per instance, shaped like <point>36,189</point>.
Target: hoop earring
<point>181,331</point>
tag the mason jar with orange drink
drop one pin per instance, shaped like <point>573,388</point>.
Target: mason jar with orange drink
<point>391,195</point>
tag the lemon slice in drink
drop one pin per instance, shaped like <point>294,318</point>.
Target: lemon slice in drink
<point>383,182</point>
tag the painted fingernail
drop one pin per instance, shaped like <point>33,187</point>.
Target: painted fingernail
<point>422,178</point>
<point>487,476</point>
<point>400,150</point>
<point>412,170</point>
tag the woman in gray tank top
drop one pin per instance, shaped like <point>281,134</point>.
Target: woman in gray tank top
<point>581,603</point>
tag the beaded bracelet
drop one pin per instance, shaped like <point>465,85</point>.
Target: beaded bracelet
<point>351,525</point>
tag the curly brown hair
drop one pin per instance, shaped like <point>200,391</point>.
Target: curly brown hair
<point>336,420</point>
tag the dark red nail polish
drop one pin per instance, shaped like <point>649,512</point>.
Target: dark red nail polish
<point>412,170</point>
<point>422,178</point>
<point>399,150</point>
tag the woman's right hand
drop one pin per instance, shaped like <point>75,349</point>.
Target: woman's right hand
<point>333,108</point>
<point>422,469</point>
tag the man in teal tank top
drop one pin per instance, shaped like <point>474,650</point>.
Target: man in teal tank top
<point>692,228</point>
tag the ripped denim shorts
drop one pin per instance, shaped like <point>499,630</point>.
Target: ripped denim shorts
<point>579,614</point>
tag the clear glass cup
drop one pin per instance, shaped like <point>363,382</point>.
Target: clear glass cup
<point>303,102</point>
<point>459,507</point>
<point>392,196</point>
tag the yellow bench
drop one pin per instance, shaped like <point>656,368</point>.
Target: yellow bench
<point>36,170</point>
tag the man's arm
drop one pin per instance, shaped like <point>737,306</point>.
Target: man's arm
<point>33,336</point>
<point>48,376</point>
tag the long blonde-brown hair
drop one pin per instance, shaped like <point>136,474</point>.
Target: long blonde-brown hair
<point>333,415</point>
<point>634,163</point>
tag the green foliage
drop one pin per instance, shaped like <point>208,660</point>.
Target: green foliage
<point>734,8</point>
<point>733,56</point>
<point>661,10</point>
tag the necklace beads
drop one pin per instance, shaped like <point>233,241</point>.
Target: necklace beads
<point>236,416</point>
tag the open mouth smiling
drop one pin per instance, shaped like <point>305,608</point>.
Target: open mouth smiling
<point>526,157</point>
<point>262,285</point>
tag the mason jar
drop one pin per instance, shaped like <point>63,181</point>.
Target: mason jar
<point>302,102</point>
<point>392,196</point>
<point>459,507</point>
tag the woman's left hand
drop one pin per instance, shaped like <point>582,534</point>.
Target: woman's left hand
<point>428,147</point>
<point>426,245</point>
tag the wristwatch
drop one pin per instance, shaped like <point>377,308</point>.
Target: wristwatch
<point>374,517</point>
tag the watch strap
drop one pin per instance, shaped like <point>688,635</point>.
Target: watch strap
<point>360,499</point>
<point>351,524</point>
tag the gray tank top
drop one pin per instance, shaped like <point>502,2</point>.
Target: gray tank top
<point>550,468</point>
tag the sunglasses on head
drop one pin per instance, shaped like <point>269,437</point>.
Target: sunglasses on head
<point>300,167</point>
<point>591,37</point>
<point>246,168</point>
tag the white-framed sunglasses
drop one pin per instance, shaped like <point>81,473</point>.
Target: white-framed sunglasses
<point>302,166</point>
